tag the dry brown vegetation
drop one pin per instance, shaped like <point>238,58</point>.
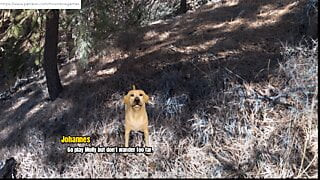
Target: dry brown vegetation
<point>233,94</point>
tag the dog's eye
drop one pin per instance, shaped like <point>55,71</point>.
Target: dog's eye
<point>140,94</point>
<point>131,95</point>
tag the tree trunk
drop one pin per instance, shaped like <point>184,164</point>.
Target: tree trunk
<point>183,6</point>
<point>50,54</point>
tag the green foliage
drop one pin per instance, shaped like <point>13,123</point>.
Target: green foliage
<point>16,30</point>
<point>97,19</point>
<point>83,41</point>
<point>82,36</point>
<point>20,42</point>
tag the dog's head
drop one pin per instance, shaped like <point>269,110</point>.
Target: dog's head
<point>136,99</point>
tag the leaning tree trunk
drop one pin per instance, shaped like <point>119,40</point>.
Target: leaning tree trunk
<point>50,54</point>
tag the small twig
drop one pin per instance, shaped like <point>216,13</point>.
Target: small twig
<point>314,158</point>
<point>303,157</point>
<point>238,76</point>
<point>206,74</point>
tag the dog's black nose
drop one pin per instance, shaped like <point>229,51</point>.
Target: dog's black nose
<point>136,99</point>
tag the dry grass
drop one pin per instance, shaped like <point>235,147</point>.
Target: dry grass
<point>268,129</point>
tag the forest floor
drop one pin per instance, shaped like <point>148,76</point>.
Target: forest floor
<point>220,101</point>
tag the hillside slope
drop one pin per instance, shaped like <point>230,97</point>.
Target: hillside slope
<point>217,81</point>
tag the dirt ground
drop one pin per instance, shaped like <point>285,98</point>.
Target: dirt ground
<point>186,55</point>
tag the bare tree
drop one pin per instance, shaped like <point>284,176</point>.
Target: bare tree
<point>50,54</point>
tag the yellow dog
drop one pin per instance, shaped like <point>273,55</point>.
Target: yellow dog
<point>136,117</point>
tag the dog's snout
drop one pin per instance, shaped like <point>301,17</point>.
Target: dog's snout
<point>136,99</point>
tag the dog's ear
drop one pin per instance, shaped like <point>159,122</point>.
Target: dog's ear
<point>145,98</point>
<point>126,99</point>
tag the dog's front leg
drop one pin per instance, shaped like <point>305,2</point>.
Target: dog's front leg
<point>126,136</point>
<point>146,137</point>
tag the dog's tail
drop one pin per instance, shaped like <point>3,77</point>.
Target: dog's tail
<point>133,87</point>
